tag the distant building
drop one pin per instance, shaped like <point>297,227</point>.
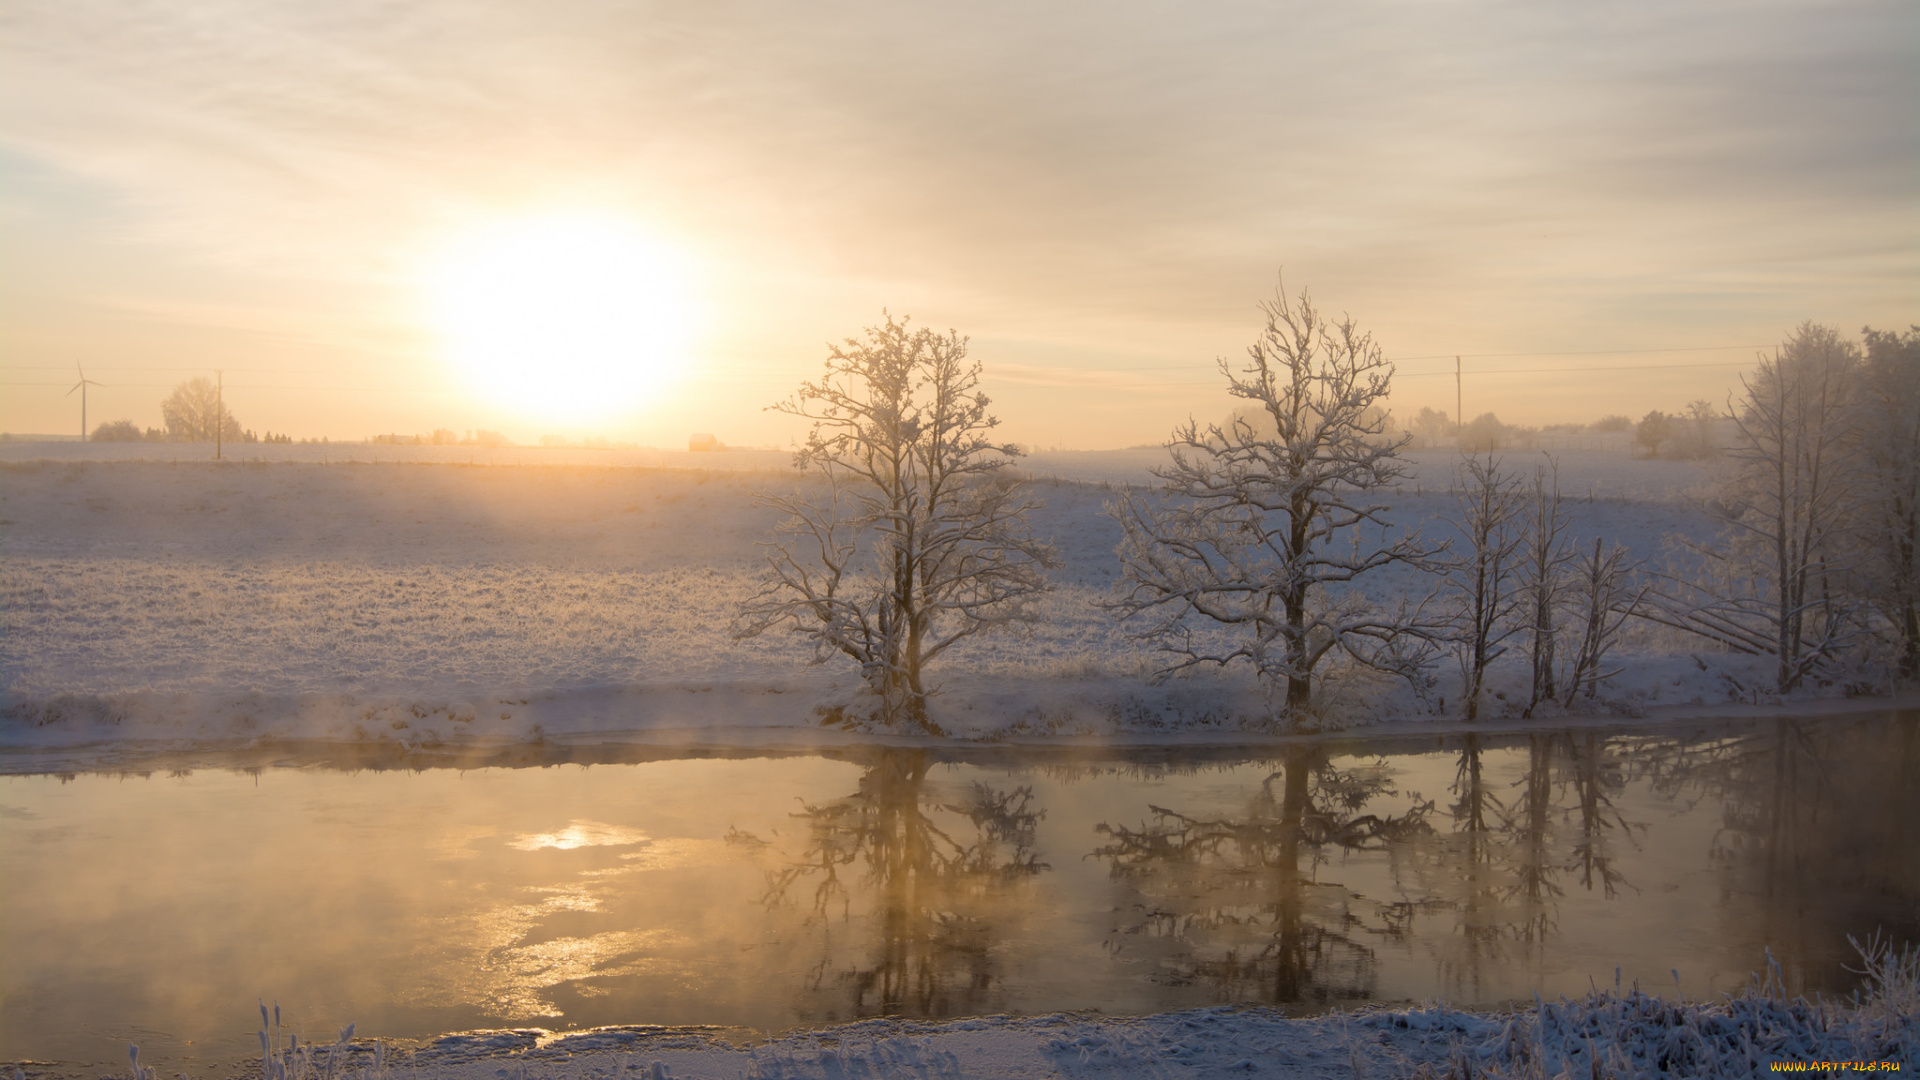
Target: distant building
<point>704,442</point>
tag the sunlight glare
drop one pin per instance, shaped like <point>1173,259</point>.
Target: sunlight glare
<point>573,318</point>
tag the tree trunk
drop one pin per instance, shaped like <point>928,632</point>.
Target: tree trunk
<point>1909,613</point>
<point>1299,674</point>
<point>1543,659</point>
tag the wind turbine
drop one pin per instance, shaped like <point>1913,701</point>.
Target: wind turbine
<point>82,387</point>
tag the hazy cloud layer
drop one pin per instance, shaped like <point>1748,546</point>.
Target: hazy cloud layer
<point>1468,175</point>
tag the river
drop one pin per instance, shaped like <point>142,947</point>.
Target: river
<point>574,887</point>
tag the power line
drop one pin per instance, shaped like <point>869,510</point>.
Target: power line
<point>264,386</point>
<point>1585,352</point>
<point>1489,355</point>
<point>1145,367</point>
<point>1558,370</point>
<point>1427,374</point>
<point>120,367</point>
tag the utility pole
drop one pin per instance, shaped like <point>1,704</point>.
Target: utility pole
<point>1459,412</point>
<point>220,410</point>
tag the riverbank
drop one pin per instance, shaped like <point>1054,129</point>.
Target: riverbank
<point>436,603</point>
<point>1621,1033</point>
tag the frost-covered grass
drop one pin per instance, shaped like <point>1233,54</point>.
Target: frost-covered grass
<point>420,599</point>
<point>1615,1034</point>
<point>1636,1034</point>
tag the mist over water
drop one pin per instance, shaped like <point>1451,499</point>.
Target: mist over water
<point>776,892</point>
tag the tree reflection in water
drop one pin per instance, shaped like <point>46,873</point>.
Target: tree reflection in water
<point>916,888</point>
<point>938,882</point>
<point>1597,775</point>
<point>1226,900</point>
<point>1502,870</point>
<point>1817,832</point>
<point>1235,902</point>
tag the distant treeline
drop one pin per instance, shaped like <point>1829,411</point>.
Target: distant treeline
<point>1699,430</point>
<point>444,437</point>
<point>195,411</point>
<point>127,431</point>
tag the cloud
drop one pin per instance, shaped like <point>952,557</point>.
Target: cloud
<point>1050,168</point>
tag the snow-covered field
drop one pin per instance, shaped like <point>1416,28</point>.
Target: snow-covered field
<point>439,594</point>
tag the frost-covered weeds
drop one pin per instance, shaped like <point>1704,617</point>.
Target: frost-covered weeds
<point>342,1059</point>
<point>1635,1034</point>
<point>284,1057</point>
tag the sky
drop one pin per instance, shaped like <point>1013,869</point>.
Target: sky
<point>1604,207</point>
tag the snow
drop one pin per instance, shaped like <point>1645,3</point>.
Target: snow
<point>1623,1033</point>
<point>401,594</point>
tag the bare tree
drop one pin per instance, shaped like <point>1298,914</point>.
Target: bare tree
<point>1251,523</point>
<point>194,412</point>
<point>1543,569</point>
<point>1774,584</point>
<point>916,539</point>
<point>1890,452</point>
<point>1481,573</point>
<point>1603,595</point>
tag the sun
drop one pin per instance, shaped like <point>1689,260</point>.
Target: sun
<point>566,318</point>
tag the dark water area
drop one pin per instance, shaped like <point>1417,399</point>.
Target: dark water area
<point>774,892</point>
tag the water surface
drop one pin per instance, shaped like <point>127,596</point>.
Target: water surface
<point>773,892</point>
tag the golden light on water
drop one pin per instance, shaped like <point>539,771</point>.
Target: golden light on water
<point>580,834</point>
<point>572,318</point>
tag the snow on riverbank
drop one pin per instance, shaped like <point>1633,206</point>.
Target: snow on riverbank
<point>397,596</point>
<point>1622,1034</point>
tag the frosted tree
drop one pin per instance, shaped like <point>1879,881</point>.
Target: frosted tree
<point>1889,426</point>
<point>1776,582</point>
<point>1704,414</point>
<point>1603,592</point>
<point>1544,558</point>
<point>194,412</point>
<point>1653,431</point>
<point>1484,434</point>
<point>1432,426</point>
<point>915,538</point>
<point>1482,573</point>
<point>1255,518</point>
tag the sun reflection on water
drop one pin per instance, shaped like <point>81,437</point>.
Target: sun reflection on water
<point>579,834</point>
